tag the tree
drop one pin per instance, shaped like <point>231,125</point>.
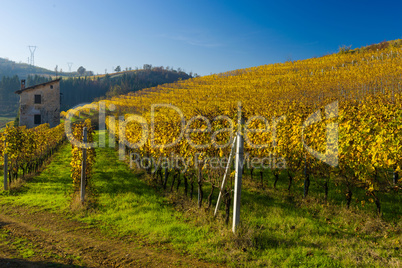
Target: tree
<point>81,70</point>
<point>118,69</point>
<point>147,66</point>
<point>344,49</point>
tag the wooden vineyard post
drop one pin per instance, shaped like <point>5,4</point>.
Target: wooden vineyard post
<point>166,174</point>
<point>238,174</point>
<point>5,164</point>
<point>306,178</point>
<point>395,176</point>
<point>199,181</point>
<point>84,166</point>
<point>131,161</point>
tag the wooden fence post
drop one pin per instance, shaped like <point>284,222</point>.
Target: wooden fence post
<point>238,174</point>
<point>5,164</point>
<point>84,166</point>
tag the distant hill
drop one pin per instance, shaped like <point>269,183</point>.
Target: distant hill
<point>11,68</point>
<point>77,89</point>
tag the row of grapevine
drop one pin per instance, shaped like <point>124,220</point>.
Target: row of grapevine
<point>27,149</point>
<point>77,154</point>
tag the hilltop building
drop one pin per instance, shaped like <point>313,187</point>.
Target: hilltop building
<point>40,104</point>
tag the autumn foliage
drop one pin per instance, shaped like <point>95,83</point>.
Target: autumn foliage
<point>76,159</point>
<point>356,95</point>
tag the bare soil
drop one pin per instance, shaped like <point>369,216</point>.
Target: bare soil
<point>57,241</point>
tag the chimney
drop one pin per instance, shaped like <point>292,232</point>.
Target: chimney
<point>22,84</point>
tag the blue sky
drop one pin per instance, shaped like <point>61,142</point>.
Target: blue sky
<point>199,36</point>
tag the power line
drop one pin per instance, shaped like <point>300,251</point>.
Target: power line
<point>70,64</point>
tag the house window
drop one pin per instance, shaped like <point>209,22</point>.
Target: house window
<point>51,86</point>
<point>37,119</point>
<point>38,99</point>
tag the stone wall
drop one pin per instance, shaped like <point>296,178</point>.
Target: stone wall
<point>48,109</point>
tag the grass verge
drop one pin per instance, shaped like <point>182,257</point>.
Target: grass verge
<point>279,228</point>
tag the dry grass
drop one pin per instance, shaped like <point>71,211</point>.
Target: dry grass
<point>83,208</point>
<point>76,204</point>
<point>17,184</point>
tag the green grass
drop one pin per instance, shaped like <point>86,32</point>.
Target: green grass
<point>279,229</point>
<point>132,206</point>
<point>50,190</point>
<point>22,246</point>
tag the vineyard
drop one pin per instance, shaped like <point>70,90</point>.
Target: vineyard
<point>321,165</point>
<point>336,118</point>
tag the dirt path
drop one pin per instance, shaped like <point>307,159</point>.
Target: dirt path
<point>43,239</point>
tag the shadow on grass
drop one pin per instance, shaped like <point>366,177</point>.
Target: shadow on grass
<point>265,241</point>
<point>114,177</point>
<point>5,262</point>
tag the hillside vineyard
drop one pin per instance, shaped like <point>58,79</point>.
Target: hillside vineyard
<point>346,105</point>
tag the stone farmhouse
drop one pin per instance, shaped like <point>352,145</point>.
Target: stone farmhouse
<point>40,104</point>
